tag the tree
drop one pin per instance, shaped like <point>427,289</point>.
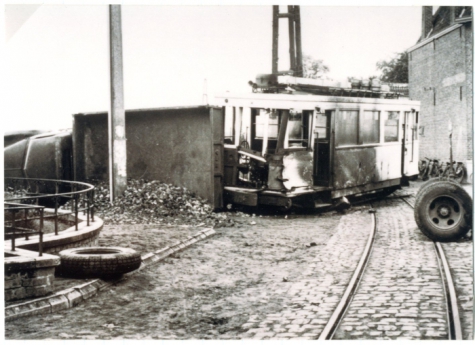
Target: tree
<point>395,70</point>
<point>313,68</point>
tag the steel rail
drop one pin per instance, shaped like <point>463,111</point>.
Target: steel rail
<point>453,315</point>
<point>337,316</point>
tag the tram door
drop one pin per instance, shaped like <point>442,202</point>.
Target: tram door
<point>321,147</point>
<point>410,144</point>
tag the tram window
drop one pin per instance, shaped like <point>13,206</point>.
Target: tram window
<point>410,126</point>
<point>297,128</point>
<point>229,125</point>
<point>321,124</point>
<point>369,127</point>
<point>391,126</point>
<point>273,124</point>
<point>346,128</point>
<point>416,132</point>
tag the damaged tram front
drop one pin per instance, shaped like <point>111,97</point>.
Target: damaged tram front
<point>310,150</point>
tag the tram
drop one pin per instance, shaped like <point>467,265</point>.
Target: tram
<point>294,148</point>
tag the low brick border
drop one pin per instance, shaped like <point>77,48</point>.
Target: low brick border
<point>71,297</point>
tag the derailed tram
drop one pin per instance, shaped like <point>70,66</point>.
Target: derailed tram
<point>297,149</point>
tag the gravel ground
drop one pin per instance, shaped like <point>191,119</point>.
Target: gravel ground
<point>205,292</point>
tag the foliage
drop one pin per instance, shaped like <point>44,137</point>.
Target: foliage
<point>396,70</point>
<point>313,68</point>
<point>361,78</point>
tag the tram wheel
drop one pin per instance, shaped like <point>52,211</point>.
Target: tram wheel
<point>443,211</point>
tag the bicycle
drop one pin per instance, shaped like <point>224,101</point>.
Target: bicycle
<point>455,171</point>
<point>429,168</point>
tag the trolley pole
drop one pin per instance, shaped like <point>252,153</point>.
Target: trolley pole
<point>117,145</point>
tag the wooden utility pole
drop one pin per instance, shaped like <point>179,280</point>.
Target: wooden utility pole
<point>117,145</point>
<point>291,37</point>
<point>298,42</point>
<point>275,39</point>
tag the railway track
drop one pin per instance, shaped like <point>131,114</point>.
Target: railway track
<point>453,316</point>
<point>339,312</point>
<point>454,323</point>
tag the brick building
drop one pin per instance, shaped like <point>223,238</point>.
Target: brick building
<point>441,77</point>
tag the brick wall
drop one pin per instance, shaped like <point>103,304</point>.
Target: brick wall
<point>439,73</point>
<point>469,83</point>
<point>29,283</point>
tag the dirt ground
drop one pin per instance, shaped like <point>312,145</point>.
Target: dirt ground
<point>207,291</point>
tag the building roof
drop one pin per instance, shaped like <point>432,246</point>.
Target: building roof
<point>441,19</point>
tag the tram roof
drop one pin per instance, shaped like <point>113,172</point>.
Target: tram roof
<point>257,99</point>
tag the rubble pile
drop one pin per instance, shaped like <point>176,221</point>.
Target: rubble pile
<point>153,202</point>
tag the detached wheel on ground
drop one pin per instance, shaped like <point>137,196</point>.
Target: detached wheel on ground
<point>98,261</point>
<point>443,211</point>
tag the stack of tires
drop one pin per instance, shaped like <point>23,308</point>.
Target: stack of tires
<point>443,210</point>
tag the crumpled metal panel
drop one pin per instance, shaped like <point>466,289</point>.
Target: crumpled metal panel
<point>359,166</point>
<point>354,167</point>
<point>274,180</point>
<point>298,169</point>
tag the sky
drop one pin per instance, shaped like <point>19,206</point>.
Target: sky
<point>57,56</point>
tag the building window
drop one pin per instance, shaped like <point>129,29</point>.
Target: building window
<point>461,92</point>
<point>391,126</point>
<point>369,127</point>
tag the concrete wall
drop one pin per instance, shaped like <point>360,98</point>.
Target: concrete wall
<point>442,69</point>
<point>172,145</point>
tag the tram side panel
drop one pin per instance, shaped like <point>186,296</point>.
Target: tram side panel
<point>360,169</point>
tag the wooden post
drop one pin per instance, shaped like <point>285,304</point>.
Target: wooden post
<point>291,38</point>
<point>298,41</point>
<point>275,39</point>
<point>117,148</point>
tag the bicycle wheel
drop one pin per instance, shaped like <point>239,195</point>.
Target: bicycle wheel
<point>459,174</point>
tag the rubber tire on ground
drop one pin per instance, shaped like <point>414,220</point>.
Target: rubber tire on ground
<point>431,181</point>
<point>98,261</point>
<point>434,192</point>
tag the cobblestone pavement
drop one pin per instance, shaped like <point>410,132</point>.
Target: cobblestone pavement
<point>144,238</point>
<point>205,292</point>
<point>401,294</point>
<point>460,258</point>
<point>275,278</point>
<point>318,291</point>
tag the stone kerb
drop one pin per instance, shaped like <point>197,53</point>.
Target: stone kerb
<point>29,275</point>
